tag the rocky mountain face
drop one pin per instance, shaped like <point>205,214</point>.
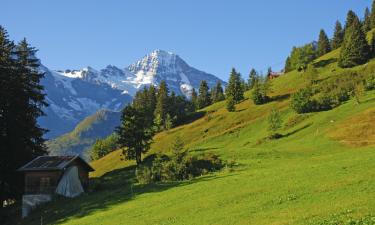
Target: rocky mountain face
<point>75,94</point>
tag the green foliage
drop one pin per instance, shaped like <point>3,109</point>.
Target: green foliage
<point>338,36</point>
<point>366,25</point>
<point>253,77</point>
<point>274,123</point>
<point>179,166</point>
<point>21,101</point>
<point>168,122</point>
<point>204,97</point>
<point>135,135</point>
<point>323,44</point>
<point>104,146</point>
<point>301,57</point>
<point>231,105</point>
<point>235,88</point>
<point>194,99</point>
<point>370,82</point>
<point>161,108</point>
<point>143,174</point>
<point>350,18</point>
<point>372,16</point>
<point>355,49</point>
<point>288,65</point>
<point>302,101</point>
<point>217,94</point>
<point>260,91</point>
<point>311,74</point>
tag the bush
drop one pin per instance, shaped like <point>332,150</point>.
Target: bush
<point>143,174</point>
<point>178,167</point>
<point>370,82</point>
<point>302,101</point>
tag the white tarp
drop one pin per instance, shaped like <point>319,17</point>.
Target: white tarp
<point>70,185</point>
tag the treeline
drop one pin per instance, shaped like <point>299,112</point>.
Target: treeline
<point>21,102</point>
<point>155,109</point>
<point>355,49</point>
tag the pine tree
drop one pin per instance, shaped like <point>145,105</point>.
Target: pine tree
<point>323,43</point>
<point>21,103</point>
<point>217,93</point>
<point>288,65</point>
<point>350,18</point>
<point>372,16</point>
<point>134,135</point>
<point>366,25</point>
<point>194,99</point>
<point>355,49</point>
<point>231,107</point>
<point>235,88</point>
<point>372,44</point>
<point>161,107</point>
<point>338,36</point>
<point>253,76</point>
<point>204,98</point>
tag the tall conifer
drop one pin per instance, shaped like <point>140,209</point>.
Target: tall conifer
<point>338,36</point>
<point>235,87</point>
<point>355,49</point>
<point>323,43</point>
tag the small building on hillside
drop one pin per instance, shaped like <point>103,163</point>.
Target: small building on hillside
<point>48,175</point>
<point>274,75</point>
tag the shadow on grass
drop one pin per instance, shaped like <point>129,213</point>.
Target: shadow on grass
<point>296,131</point>
<point>116,187</point>
<point>279,98</point>
<point>323,63</point>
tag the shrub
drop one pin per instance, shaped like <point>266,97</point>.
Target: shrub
<point>143,174</point>
<point>302,101</point>
<point>370,82</point>
<point>180,166</point>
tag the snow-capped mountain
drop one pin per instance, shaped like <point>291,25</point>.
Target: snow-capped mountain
<point>73,99</point>
<point>151,70</point>
<point>75,94</point>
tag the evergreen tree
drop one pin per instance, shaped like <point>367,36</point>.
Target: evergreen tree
<point>366,25</point>
<point>323,44</point>
<point>253,76</point>
<point>350,18</point>
<point>217,93</point>
<point>134,134</point>
<point>288,65</point>
<point>231,107</point>
<point>355,49</point>
<point>372,16</point>
<point>338,36</point>
<point>235,88</point>
<point>372,44</point>
<point>161,107</point>
<point>269,72</point>
<point>21,102</point>
<point>204,98</point>
<point>194,99</point>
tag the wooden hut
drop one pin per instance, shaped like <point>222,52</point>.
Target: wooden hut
<point>46,175</point>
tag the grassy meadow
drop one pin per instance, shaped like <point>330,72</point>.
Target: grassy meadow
<point>320,172</point>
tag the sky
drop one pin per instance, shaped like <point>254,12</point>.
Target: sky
<point>210,35</point>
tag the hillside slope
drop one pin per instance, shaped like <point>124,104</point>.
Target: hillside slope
<point>310,176</point>
<point>79,141</point>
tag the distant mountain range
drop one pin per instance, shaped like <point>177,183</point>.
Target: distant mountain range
<point>75,94</point>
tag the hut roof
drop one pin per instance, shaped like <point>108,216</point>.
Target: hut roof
<point>44,163</point>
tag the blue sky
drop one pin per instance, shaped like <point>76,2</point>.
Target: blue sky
<point>211,35</point>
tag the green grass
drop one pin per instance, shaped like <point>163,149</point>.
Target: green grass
<point>307,177</point>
